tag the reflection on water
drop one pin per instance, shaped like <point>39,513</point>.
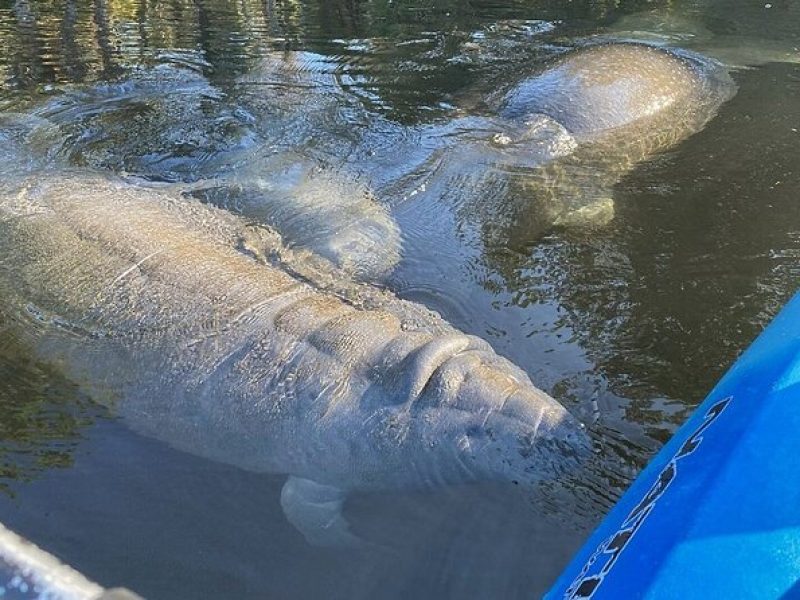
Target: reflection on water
<point>42,416</point>
<point>629,324</point>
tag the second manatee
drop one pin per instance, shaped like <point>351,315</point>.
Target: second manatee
<point>610,106</point>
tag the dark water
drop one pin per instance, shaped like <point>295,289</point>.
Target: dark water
<point>629,324</point>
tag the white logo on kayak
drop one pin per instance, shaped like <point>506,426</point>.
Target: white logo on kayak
<point>606,555</point>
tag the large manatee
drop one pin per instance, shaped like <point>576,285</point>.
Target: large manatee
<point>200,331</point>
<point>547,149</point>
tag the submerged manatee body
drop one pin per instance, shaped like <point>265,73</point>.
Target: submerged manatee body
<point>200,331</point>
<point>616,104</point>
<point>328,213</point>
<point>169,123</point>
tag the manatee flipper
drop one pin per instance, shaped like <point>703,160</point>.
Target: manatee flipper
<point>597,213</point>
<point>316,511</point>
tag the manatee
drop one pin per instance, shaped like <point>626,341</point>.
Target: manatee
<point>324,211</point>
<point>548,149</point>
<point>606,107</point>
<point>168,123</point>
<point>203,331</point>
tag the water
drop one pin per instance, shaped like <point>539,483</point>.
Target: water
<point>628,323</point>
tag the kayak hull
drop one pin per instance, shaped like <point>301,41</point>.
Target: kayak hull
<point>716,513</point>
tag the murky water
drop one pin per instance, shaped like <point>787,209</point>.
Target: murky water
<point>627,322</point>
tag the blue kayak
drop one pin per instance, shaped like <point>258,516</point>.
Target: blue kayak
<point>716,513</point>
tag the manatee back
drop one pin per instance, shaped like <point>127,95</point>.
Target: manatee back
<point>597,90</point>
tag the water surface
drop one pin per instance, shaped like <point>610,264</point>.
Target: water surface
<point>629,324</point>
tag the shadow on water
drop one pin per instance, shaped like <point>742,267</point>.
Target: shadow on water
<point>638,318</point>
<point>43,417</point>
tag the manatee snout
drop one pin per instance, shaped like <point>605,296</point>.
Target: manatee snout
<point>532,439</point>
<point>502,427</point>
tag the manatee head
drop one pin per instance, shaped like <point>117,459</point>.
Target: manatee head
<point>529,439</point>
<point>462,413</point>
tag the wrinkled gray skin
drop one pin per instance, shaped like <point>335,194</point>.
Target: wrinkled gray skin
<point>602,109</point>
<point>205,333</point>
